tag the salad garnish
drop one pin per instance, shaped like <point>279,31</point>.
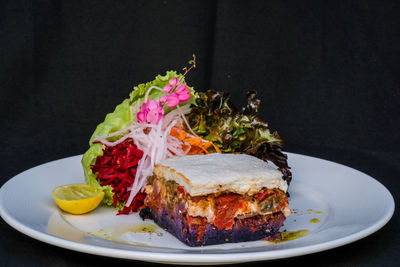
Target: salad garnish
<point>158,130</point>
<point>166,118</point>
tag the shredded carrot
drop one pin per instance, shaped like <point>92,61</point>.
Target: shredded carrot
<point>197,144</point>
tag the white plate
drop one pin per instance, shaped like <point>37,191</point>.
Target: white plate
<point>348,204</point>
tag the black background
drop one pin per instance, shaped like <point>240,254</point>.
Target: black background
<point>327,73</point>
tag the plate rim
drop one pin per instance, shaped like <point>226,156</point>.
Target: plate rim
<point>184,258</point>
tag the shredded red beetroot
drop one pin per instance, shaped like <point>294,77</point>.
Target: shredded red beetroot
<point>117,167</point>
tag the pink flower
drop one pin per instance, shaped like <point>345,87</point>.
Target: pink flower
<point>183,93</point>
<point>168,89</point>
<point>171,100</point>
<point>175,94</point>
<point>174,82</point>
<point>180,88</point>
<point>150,112</point>
<point>163,99</point>
<point>184,96</point>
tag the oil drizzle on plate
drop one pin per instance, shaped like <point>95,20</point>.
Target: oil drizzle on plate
<point>290,235</point>
<point>114,233</point>
<point>316,212</point>
<point>143,228</point>
<point>314,220</point>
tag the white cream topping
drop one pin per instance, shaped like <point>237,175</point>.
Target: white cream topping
<point>213,173</point>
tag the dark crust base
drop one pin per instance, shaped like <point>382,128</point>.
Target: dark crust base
<point>248,229</point>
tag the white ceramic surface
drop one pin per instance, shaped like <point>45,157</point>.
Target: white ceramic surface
<point>348,204</point>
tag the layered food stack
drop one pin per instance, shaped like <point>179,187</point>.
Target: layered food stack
<point>217,198</point>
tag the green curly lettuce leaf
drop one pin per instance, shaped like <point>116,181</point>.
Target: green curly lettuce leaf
<point>216,118</point>
<point>119,119</point>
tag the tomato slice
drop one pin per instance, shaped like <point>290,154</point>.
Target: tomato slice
<point>225,209</point>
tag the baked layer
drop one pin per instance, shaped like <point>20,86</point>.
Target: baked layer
<point>249,229</point>
<point>214,218</point>
<point>216,173</point>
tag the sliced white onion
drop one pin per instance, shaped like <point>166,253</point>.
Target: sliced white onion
<point>156,143</point>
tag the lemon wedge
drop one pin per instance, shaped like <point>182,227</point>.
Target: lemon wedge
<point>77,198</point>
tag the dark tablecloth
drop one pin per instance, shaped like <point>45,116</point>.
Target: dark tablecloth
<point>325,71</point>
